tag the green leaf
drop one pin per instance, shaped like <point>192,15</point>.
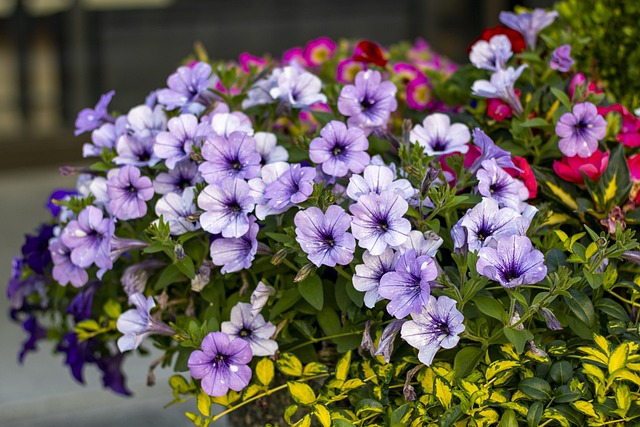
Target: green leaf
<point>537,122</point>
<point>508,419</point>
<point>612,309</point>
<point>399,417</point>
<point>185,265</point>
<point>289,364</point>
<point>561,372</point>
<point>301,393</point>
<point>466,360</point>
<point>536,388</point>
<point>279,237</point>
<point>265,371</point>
<point>517,337</point>
<point>329,321</point>
<point>581,305</point>
<point>312,291</point>
<point>171,274</point>
<point>369,405</point>
<point>535,414</point>
<point>562,97</point>
<point>286,301</point>
<point>490,306</point>
<point>450,416</point>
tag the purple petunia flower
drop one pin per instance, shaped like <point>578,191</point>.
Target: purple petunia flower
<point>489,150</point>
<point>184,174</point>
<point>298,88</point>
<point>135,151</point>
<point>269,174</point>
<point>529,24</point>
<point>495,183</point>
<point>340,150</point>
<point>324,237</point>
<point>377,179</point>
<point>112,376</point>
<point>491,55</point>
<point>581,130</point>
<point>222,364</point>
<point>369,102</point>
<point>64,270</point>
<point>106,136</point>
<point>259,94</point>
<point>36,333</point>
<point>501,86</point>
<point>175,145</point>
<point>485,222</point>
<point>253,329</point>
<point>438,136</point>
<point>378,221</point>
<point>236,253</point>
<point>35,249</point>
<point>145,122</point>
<point>259,297</point>
<point>188,88</point>
<point>128,192</point>
<point>389,334</point>
<point>424,244</point>
<point>57,196</point>
<point>226,206</point>
<point>18,289</point>
<point>81,305</point>
<point>368,275</point>
<point>89,238</point>
<point>91,118</point>
<point>292,187</point>
<point>436,326</point>
<point>77,354</point>
<point>135,277</point>
<point>235,156</point>
<point>561,58</point>
<point>268,150</point>
<point>513,262</point>
<point>408,287</point>
<point>136,324</point>
<point>175,210</point>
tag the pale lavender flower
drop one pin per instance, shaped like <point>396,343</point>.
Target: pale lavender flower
<point>259,297</point>
<point>561,58</point>
<point>135,277</point>
<point>408,287</point>
<point>491,55</point>
<point>436,326</point>
<point>120,246</point>
<point>91,118</point>
<point>128,192</point>
<point>224,123</point>
<point>378,221</point>
<point>106,136</point>
<point>495,183</point>
<point>298,88</point>
<point>513,262</point>
<point>89,238</point>
<point>368,275</point>
<point>184,174</point>
<point>144,122</point>
<point>221,364</point>
<point>424,244</point>
<point>529,24</point>
<point>377,179</point>
<point>484,222</point>
<point>227,206</point>
<point>64,270</point>
<point>501,86</point>
<point>175,209</point>
<point>235,156</point>
<point>581,130</point>
<point>188,88</point>
<point>489,150</point>
<point>438,136</point>
<point>260,92</point>
<point>268,150</point>
<point>137,324</point>
<point>324,237</point>
<point>177,144</point>
<point>292,187</point>
<point>135,151</point>
<point>389,334</point>
<point>254,330</point>
<point>269,174</point>
<point>236,253</point>
<point>340,149</point>
<point>369,102</point>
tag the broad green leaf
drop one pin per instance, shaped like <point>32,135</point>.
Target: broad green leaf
<point>561,372</point>
<point>490,306</point>
<point>285,302</point>
<point>536,388</point>
<point>312,291</point>
<point>581,305</point>
<point>171,274</point>
<point>185,265</point>
<point>517,337</point>
<point>466,360</point>
<point>562,97</point>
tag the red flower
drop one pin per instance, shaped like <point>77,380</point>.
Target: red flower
<point>630,133</point>
<point>569,168</point>
<point>499,110</point>
<point>469,158</point>
<point>517,41</point>
<point>634,171</point>
<point>370,53</point>
<point>581,80</point>
<point>526,176</point>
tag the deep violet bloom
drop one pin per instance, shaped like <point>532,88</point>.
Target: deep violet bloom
<point>389,334</point>
<point>298,88</point>
<point>513,262</point>
<point>437,325</point>
<point>236,253</point>
<point>77,354</point>
<point>377,179</point>
<point>369,102</point>
<point>188,88</point>
<point>184,174</point>
<point>491,55</point>
<point>378,221</point>
<point>438,136</point>
<point>253,329</point>
<point>495,183</point>
<point>226,207</point>
<point>35,333</point>
<point>408,287</point>
<point>292,187</point>
<point>112,376</point>
<point>368,275</point>
<point>81,305</point>
<point>89,238</point>
<point>571,168</point>
<point>56,196</point>
<point>529,24</point>
<point>489,150</point>
<point>501,85</point>
<point>175,209</point>
<point>581,130</point>
<point>561,58</point>
<point>128,192</point>
<point>136,324</point>
<point>221,364</point>
<point>235,156</point>
<point>91,118</point>
<point>184,133</point>
<point>35,249</point>
<point>18,289</point>
<point>340,149</point>
<point>64,270</point>
<point>324,237</point>
<point>484,222</point>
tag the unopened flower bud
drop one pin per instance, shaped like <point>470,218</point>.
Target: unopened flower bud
<point>179,252</point>
<point>196,157</point>
<point>263,249</point>
<point>550,319</point>
<point>536,351</point>
<point>304,273</point>
<point>632,256</point>
<point>429,177</point>
<point>515,319</point>
<point>279,256</point>
<point>193,217</point>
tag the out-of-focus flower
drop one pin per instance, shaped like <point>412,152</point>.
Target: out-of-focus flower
<point>318,51</point>
<point>136,324</point>
<point>369,53</point>
<point>91,118</point>
<point>491,55</point>
<point>561,58</point>
<point>629,134</point>
<point>529,24</point>
<point>570,168</point>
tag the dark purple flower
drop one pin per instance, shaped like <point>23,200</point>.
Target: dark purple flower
<point>77,354</point>
<point>56,196</point>
<point>235,156</point>
<point>385,345</point>
<point>437,325</point>
<point>561,58</point>
<point>222,364</point>
<point>227,206</point>
<point>128,192</point>
<point>294,186</point>
<point>19,287</point>
<point>184,174</point>
<point>175,209</point>
<point>369,102</point>
<point>64,270</point>
<point>485,222</point>
<point>376,179</point>
<point>580,130</point>
<point>36,333</point>
<point>368,275</point>
<point>408,287</point>
<point>91,118</point>
<point>324,237</point>
<point>340,150</point>
<point>112,376</point>
<point>175,145</point>
<point>489,150</point>
<point>438,136</point>
<point>378,221</point>
<point>89,238</point>
<point>251,328</point>
<point>236,253</point>
<point>80,306</point>
<point>137,324</point>
<point>35,250</point>
<point>513,262</point>
<point>529,24</point>
<point>188,88</point>
<point>495,183</point>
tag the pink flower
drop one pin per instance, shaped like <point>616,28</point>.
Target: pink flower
<point>634,171</point>
<point>406,72</point>
<point>295,54</point>
<point>419,93</point>
<point>318,51</point>
<point>580,80</point>
<point>630,133</point>
<point>247,61</point>
<point>570,168</point>
<point>347,70</point>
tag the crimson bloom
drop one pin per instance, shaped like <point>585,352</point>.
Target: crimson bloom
<point>517,41</point>
<point>629,134</point>
<point>634,170</point>
<point>369,53</point>
<point>570,168</point>
<point>525,175</point>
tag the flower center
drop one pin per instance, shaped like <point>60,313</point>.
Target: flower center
<point>244,333</point>
<point>235,207</point>
<point>439,145</point>
<point>132,189</point>
<point>236,165</point>
<point>367,103</point>
<point>337,150</point>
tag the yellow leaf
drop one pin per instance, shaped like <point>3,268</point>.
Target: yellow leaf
<point>342,367</point>
<point>561,235</point>
<point>554,414</point>
<point>289,364</point>
<point>251,391</point>
<point>265,371</point>
<point>552,110</point>
<point>323,415</point>
<point>204,403</point>
<point>486,417</point>
<point>509,351</point>
<point>602,343</point>
<point>610,191</point>
<point>500,366</point>
<point>563,196</point>
<point>623,398</point>
<point>591,250</point>
<point>556,218</point>
<point>594,355</point>
<point>304,421</point>
<point>427,378</point>
<point>584,407</point>
<point>443,393</point>
<point>625,374</point>
<point>468,387</point>
<point>351,384</point>
<point>314,368</point>
<point>520,409</point>
<point>301,392</point>
<point>618,358</point>
<point>594,372</point>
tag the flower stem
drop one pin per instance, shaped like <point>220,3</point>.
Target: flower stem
<point>328,337</point>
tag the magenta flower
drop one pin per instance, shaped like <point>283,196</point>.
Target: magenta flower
<point>89,238</point>
<point>347,70</point>
<point>236,253</point>
<point>128,193</point>
<point>513,262</point>
<point>221,364</point>
<point>227,206</point>
<point>318,51</point>
<point>91,118</point>
<point>340,149</point>
<point>581,130</point>
<point>235,156</point>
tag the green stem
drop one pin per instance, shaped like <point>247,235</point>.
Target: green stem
<point>328,337</point>
<point>342,272</point>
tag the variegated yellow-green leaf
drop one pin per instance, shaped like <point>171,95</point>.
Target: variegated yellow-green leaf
<point>584,407</point>
<point>351,384</point>
<point>342,367</point>
<point>289,412</point>
<point>623,399</point>
<point>500,366</point>
<point>304,421</point>
<point>265,371</point>
<point>602,343</point>
<point>618,358</point>
<point>301,392</point>
<point>625,374</point>
<point>314,368</point>
<point>561,235</point>
<point>510,351</point>
<point>554,414</point>
<point>323,415</point>
<point>468,387</point>
<point>610,190</point>
<point>594,372</point>
<point>520,409</point>
<point>204,403</point>
<point>443,393</point>
<point>251,391</point>
<point>594,355</point>
<point>486,417</point>
<point>289,364</point>
<point>228,399</point>
<point>563,196</point>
